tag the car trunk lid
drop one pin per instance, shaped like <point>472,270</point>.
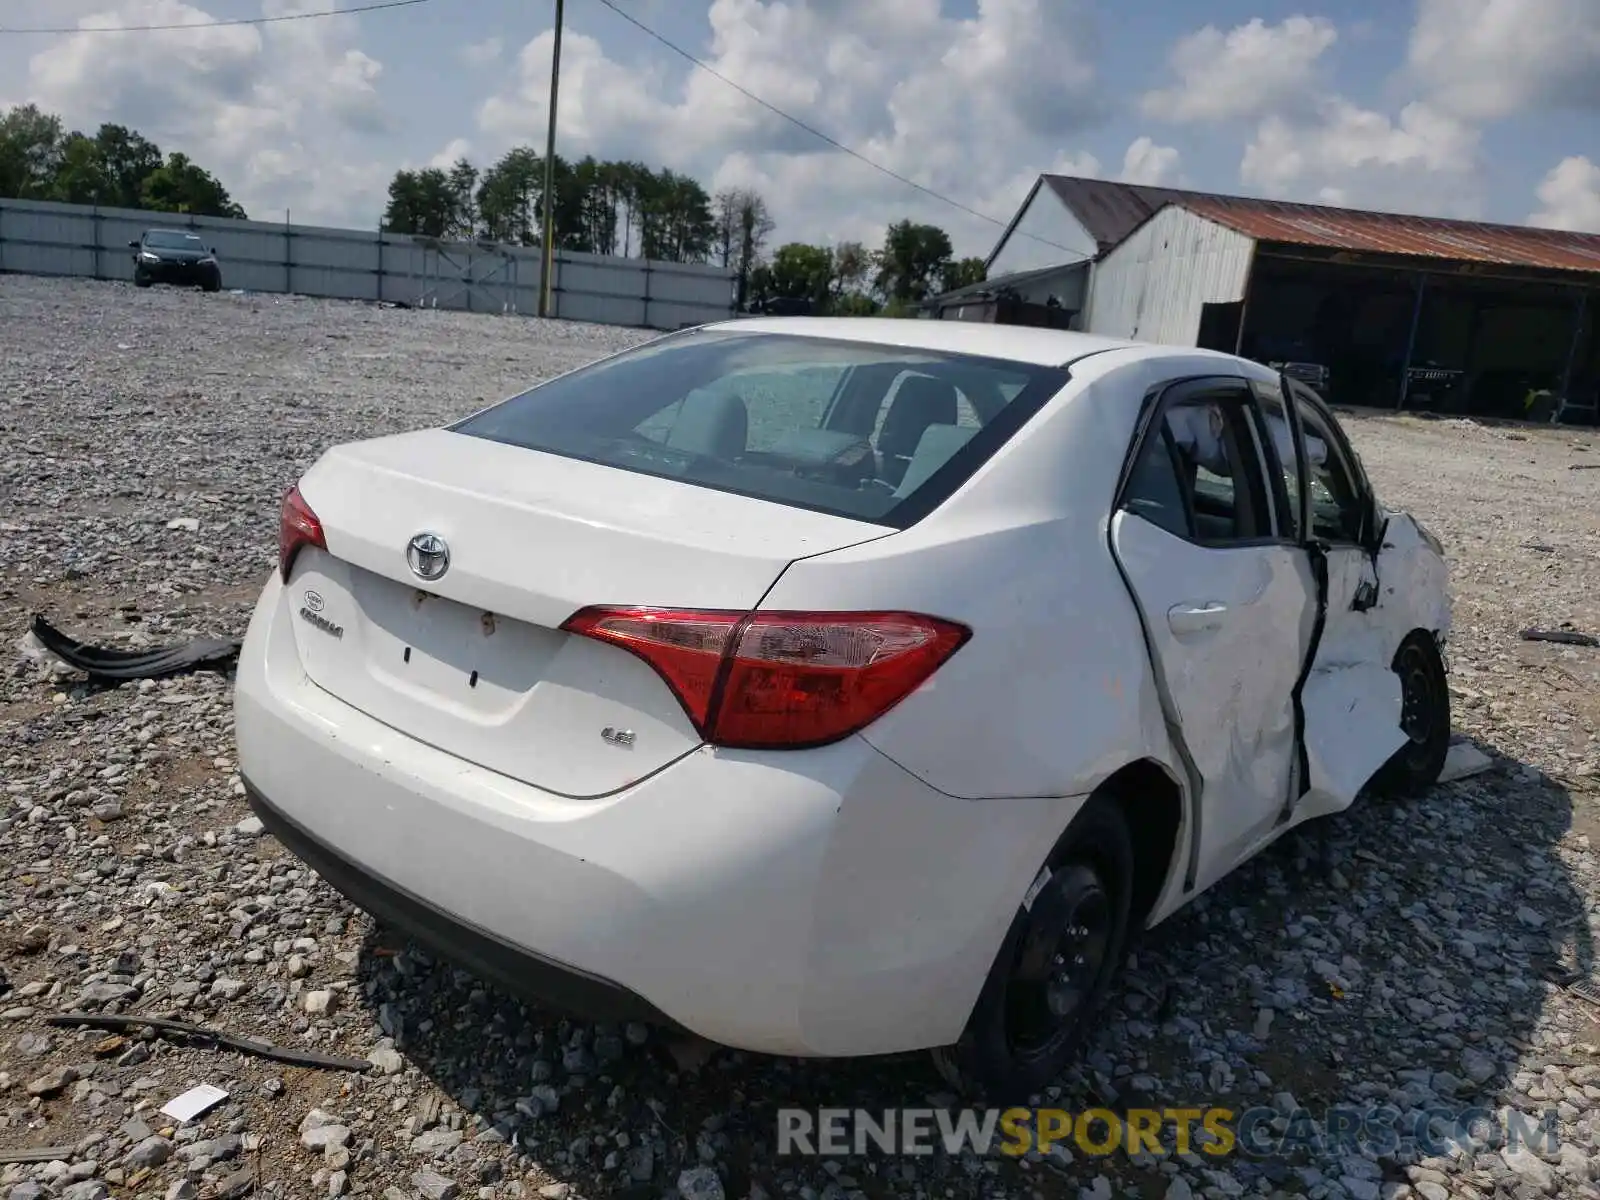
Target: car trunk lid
<point>475,661</point>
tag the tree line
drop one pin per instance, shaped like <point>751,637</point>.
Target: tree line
<point>630,209</point>
<point>115,167</point>
<point>601,207</point>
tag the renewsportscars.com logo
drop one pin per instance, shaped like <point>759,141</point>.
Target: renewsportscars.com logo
<point>1211,1131</point>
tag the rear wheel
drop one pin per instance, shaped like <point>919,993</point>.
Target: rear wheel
<point>1424,718</point>
<point>1055,966</point>
<point>140,281</point>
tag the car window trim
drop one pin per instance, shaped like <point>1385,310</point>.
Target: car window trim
<point>1343,453</point>
<point>1158,401</point>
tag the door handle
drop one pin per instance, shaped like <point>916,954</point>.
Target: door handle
<point>1196,618</point>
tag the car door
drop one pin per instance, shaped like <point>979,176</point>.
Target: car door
<point>1351,697</point>
<point>1204,539</point>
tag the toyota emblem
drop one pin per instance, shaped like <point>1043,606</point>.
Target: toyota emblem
<point>428,556</point>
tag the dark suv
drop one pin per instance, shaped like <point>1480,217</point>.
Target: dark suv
<point>175,256</point>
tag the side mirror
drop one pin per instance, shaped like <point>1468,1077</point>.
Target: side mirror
<point>133,245</point>
<point>213,251</point>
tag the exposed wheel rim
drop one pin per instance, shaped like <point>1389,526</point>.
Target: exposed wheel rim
<point>1419,702</point>
<point>1058,967</point>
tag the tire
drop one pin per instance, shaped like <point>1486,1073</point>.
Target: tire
<point>1034,1011</point>
<point>1424,716</point>
<point>212,285</point>
<point>140,282</point>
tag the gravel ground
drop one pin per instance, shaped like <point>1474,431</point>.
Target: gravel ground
<point>1411,956</point>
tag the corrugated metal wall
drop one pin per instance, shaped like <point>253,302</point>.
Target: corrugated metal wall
<point>350,264</point>
<point>1153,286</point>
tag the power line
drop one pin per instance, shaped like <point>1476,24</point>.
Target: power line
<point>832,141</point>
<point>299,16</point>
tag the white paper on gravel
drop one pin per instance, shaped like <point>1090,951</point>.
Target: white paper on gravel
<point>194,1102</point>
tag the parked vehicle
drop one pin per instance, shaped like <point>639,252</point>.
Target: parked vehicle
<point>838,686</point>
<point>175,256</point>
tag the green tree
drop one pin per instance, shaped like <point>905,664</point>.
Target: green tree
<point>742,226</point>
<point>508,197</point>
<point>961,273</point>
<point>180,186</point>
<point>801,272</point>
<point>30,152</point>
<point>80,176</point>
<point>463,200</point>
<point>421,202</point>
<point>126,160</point>
<point>912,261</point>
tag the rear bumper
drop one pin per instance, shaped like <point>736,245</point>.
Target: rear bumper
<point>821,902</point>
<point>520,972</point>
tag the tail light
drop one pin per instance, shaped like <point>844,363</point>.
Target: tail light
<point>298,527</point>
<point>779,680</point>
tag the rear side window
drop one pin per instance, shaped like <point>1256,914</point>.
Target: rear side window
<point>870,432</point>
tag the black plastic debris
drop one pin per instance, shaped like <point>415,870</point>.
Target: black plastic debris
<point>100,662</point>
<point>184,1031</point>
<point>1565,637</point>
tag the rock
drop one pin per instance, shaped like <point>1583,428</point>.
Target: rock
<point>436,1143</point>
<point>88,1189</point>
<point>700,1183</point>
<point>387,1060</point>
<point>27,1191</point>
<point>325,1137</point>
<point>250,827</point>
<point>1477,1066</point>
<point>228,989</point>
<point>184,524</point>
<point>151,1152</point>
<point>641,1163</point>
<point>435,1187</point>
<point>320,1003</point>
<point>1530,1168</point>
<point>53,1082</point>
<point>182,1189</point>
<point>554,1191</point>
<point>33,1045</point>
<point>1099,1189</point>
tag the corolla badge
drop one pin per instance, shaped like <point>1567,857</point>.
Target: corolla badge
<point>428,556</point>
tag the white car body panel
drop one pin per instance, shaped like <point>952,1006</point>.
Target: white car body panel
<point>728,890</point>
<point>1230,629</point>
<point>406,652</point>
<point>847,899</point>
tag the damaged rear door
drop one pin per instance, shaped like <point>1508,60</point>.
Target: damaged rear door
<point>1227,599</point>
<point>1350,698</point>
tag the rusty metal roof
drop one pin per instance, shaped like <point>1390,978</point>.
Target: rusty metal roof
<point>1110,211</point>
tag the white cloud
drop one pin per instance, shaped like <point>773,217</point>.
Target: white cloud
<point>1422,160</point>
<point>1485,59</point>
<point>279,112</point>
<point>953,104</point>
<point>1145,162</point>
<point>482,54</point>
<point>1249,72</point>
<point>1569,197</point>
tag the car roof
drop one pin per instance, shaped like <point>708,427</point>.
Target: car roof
<point>178,232</point>
<point>1018,343</point>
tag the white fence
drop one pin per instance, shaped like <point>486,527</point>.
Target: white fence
<point>37,238</point>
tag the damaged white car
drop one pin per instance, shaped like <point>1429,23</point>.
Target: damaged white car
<point>838,687</point>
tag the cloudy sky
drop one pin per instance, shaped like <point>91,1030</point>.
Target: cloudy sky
<point>1475,108</point>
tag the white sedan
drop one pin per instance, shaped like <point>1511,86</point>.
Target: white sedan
<point>837,687</point>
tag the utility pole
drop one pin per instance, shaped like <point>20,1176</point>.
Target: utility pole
<point>547,259</point>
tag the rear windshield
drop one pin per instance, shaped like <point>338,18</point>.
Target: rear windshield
<point>875,433</point>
